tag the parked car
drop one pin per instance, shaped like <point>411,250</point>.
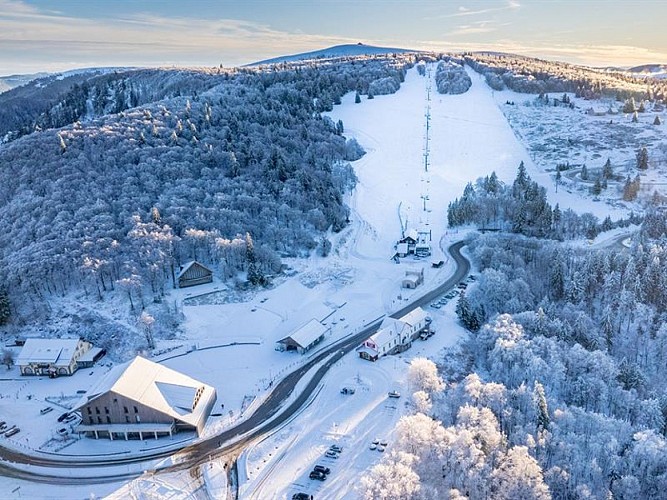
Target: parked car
<point>3,424</point>
<point>12,432</point>
<point>380,448</point>
<point>71,418</point>
<point>435,305</point>
<point>331,454</point>
<point>322,468</point>
<point>63,416</point>
<point>320,476</point>
<point>383,443</point>
<point>335,448</point>
<point>347,390</point>
<point>6,431</point>
<point>302,496</point>
<point>423,335</point>
<point>46,410</point>
<point>394,394</point>
<point>373,446</point>
<point>62,431</point>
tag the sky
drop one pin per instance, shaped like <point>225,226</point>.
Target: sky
<point>56,35</point>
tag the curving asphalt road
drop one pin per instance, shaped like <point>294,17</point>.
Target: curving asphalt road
<point>268,416</point>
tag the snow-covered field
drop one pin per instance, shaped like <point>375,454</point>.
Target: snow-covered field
<point>358,282</point>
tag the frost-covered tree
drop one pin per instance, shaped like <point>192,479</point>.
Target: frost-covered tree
<point>642,159</point>
<point>8,358</point>
<point>392,479</point>
<point>5,311</point>
<point>423,376</point>
<point>519,477</point>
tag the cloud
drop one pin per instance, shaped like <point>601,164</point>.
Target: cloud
<point>464,11</point>
<point>586,54</point>
<point>475,27</point>
<point>31,40</point>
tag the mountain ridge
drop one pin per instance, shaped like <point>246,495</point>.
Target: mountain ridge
<point>358,49</point>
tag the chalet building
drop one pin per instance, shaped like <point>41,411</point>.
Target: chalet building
<point>395,335</point>
<point>144,399</point>
<point>410,239</point>
<point>414,243</point>
<point>52,357</point>
<point>413,279</point>
<point>303,339</point>
<point>194,273</point>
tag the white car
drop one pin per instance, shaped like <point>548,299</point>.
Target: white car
<point>394,394</point>
<point>331,454</point>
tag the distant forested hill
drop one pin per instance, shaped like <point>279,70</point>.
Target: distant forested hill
<point>124,194</point>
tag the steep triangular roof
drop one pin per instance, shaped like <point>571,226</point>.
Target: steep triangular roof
<point>186,267</point>
<point>153,385</point>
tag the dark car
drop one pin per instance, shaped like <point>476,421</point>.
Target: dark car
<point>302,496</point>
<point>63,416</point>
<point>322,469</point>
<point>320,476</point>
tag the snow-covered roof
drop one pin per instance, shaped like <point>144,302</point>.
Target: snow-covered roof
<point>157,387</point>
<point>414,317</point>
<point>185,267</point>
<point>89,355</point>
<point>307,334</point>
<point>57,352</point>
<point>389,329</point>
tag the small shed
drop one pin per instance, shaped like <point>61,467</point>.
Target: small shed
<point>194,273</point>
<point>304,338</point>
<point>90,357</point>
<point>413,279</point>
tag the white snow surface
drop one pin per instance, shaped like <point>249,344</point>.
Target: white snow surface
<point>230,345</point>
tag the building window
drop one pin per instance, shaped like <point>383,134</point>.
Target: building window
<point>108,420</point>
<point>138,419</point>
<point>127,419</point>
<point>90,420</point>
<point>90,411</point>
<point>115,400</point>
<point>106,410</point>
<point>99,420</point>
<point>136,410</point>
<point>125,409</point>
<point>97,410</point>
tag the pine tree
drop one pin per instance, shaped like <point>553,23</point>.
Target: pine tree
<point>629,106</point>
<point>255,276</point>
<point>520,182</point>
<point>607,171</point>
<point>370,94</point>
<point>642,159</point>
<point>642,107</point>
<point>463,309</point>
<point>5,311</point>
<point>597,188</point>
<point>584,172</point>
<point>657,120</point>
<point>541,408</point>
<point>357,98</point>
<point>340,128</point>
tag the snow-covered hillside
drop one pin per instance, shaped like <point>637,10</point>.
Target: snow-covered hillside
<point>422,148</point>
<point>347,50</point>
